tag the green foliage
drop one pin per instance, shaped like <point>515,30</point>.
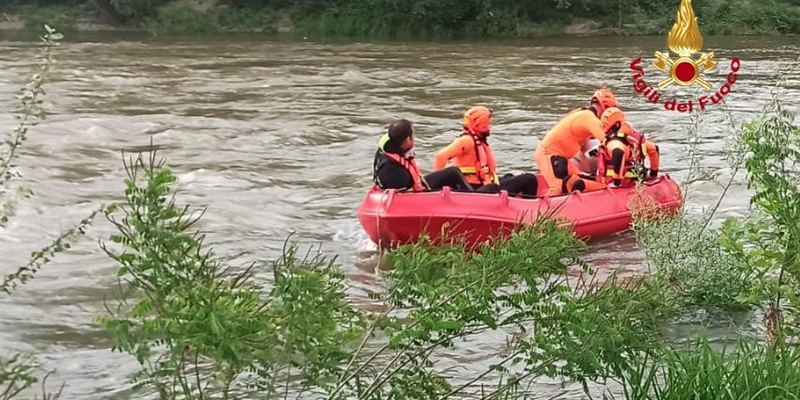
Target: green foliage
<point>744,263</point>
<point>530,285</point>
<point>16,371</point>
<point>131,10</point>
<point>312,316</point>
<point>42,3</point>
<point>46,254</point>
<point>600,333</point>
<point>689,258</point>
<point>768,244</point>
<point>192,313</point>
<point>62,16</point>
<point>733,267</point>
<point>423,18</point>
<point>181,19</point>
<point>200,330</point>
<point>29,114</point>
<point>561,327</point>
<point>700,372</point>
<point>16,374</point>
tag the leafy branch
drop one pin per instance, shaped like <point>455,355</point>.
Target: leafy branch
<point>29,114</point>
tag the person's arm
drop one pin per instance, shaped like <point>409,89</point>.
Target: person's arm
<point>591,123</point>
<point>454,149</point>
<point>652,151</point>
<point>393,176</point>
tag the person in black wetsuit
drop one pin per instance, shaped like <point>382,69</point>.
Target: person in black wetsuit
<point>394,166</point>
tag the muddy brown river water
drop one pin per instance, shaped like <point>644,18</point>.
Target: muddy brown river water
<point>277,136</point>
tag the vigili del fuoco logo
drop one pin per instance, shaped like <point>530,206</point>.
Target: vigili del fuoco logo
<point>685,41</point>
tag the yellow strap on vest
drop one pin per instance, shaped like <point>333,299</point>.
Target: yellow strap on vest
<point>473,171</point>
<point>383,140</point>
<point>628,174</point>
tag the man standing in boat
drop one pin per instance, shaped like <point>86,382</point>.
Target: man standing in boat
<point>621,159</point>
<point>473,156</point>
<point>566,139</point>
<point>394,166</point>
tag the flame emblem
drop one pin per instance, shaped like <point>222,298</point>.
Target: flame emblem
<point>684,39</point>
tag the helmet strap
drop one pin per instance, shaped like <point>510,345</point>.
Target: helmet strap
<point>613,129</point>
<point>596,107</point>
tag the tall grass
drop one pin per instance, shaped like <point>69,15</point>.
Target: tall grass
<point>749,372</point>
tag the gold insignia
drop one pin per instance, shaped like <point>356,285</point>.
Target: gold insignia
<point>684,39</point>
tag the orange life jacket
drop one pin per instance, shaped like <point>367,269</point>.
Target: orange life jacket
<point>485,167</point>
<point>635,142</point>
<point>411,167</point>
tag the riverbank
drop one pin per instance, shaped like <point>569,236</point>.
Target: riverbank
<point>381,18</point>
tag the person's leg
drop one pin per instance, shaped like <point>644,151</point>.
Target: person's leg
<point>490,188</point>
<point>450,176</point>
<point>575,182</point>
<point>525,184</point>
<point>543,162</point>
<point>575,179</point>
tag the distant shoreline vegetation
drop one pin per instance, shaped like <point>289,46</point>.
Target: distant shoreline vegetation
<point>410,19</point>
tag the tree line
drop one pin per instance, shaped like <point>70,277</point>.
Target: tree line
<point>483,17</point>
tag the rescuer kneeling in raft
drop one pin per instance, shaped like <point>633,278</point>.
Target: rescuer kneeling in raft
<point>586,159</point>
<point>473,156</point>
<point>566,139</point>
<point>394,166</point>
<point>621,159</point>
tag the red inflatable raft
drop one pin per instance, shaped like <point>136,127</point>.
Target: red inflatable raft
<point>393,218</point>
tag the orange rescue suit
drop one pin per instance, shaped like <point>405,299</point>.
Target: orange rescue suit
<point>473,156</point>
<point>634,147</point>
<point>560,144</point>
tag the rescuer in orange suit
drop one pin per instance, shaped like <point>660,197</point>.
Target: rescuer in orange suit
<point>473,156</point>
<point>623,153</point>
<point>394,166</point>
<point>566,139</point>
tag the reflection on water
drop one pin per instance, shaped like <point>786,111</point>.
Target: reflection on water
<point>275,137</point>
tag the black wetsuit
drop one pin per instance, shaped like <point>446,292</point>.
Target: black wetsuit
<point>389,174</point>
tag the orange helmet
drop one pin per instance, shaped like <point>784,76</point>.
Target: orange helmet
<point>605,98</point>
<point>612,117</point>
<point>478,120</point>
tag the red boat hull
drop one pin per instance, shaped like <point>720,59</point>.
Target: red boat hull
<point>391,218</point>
